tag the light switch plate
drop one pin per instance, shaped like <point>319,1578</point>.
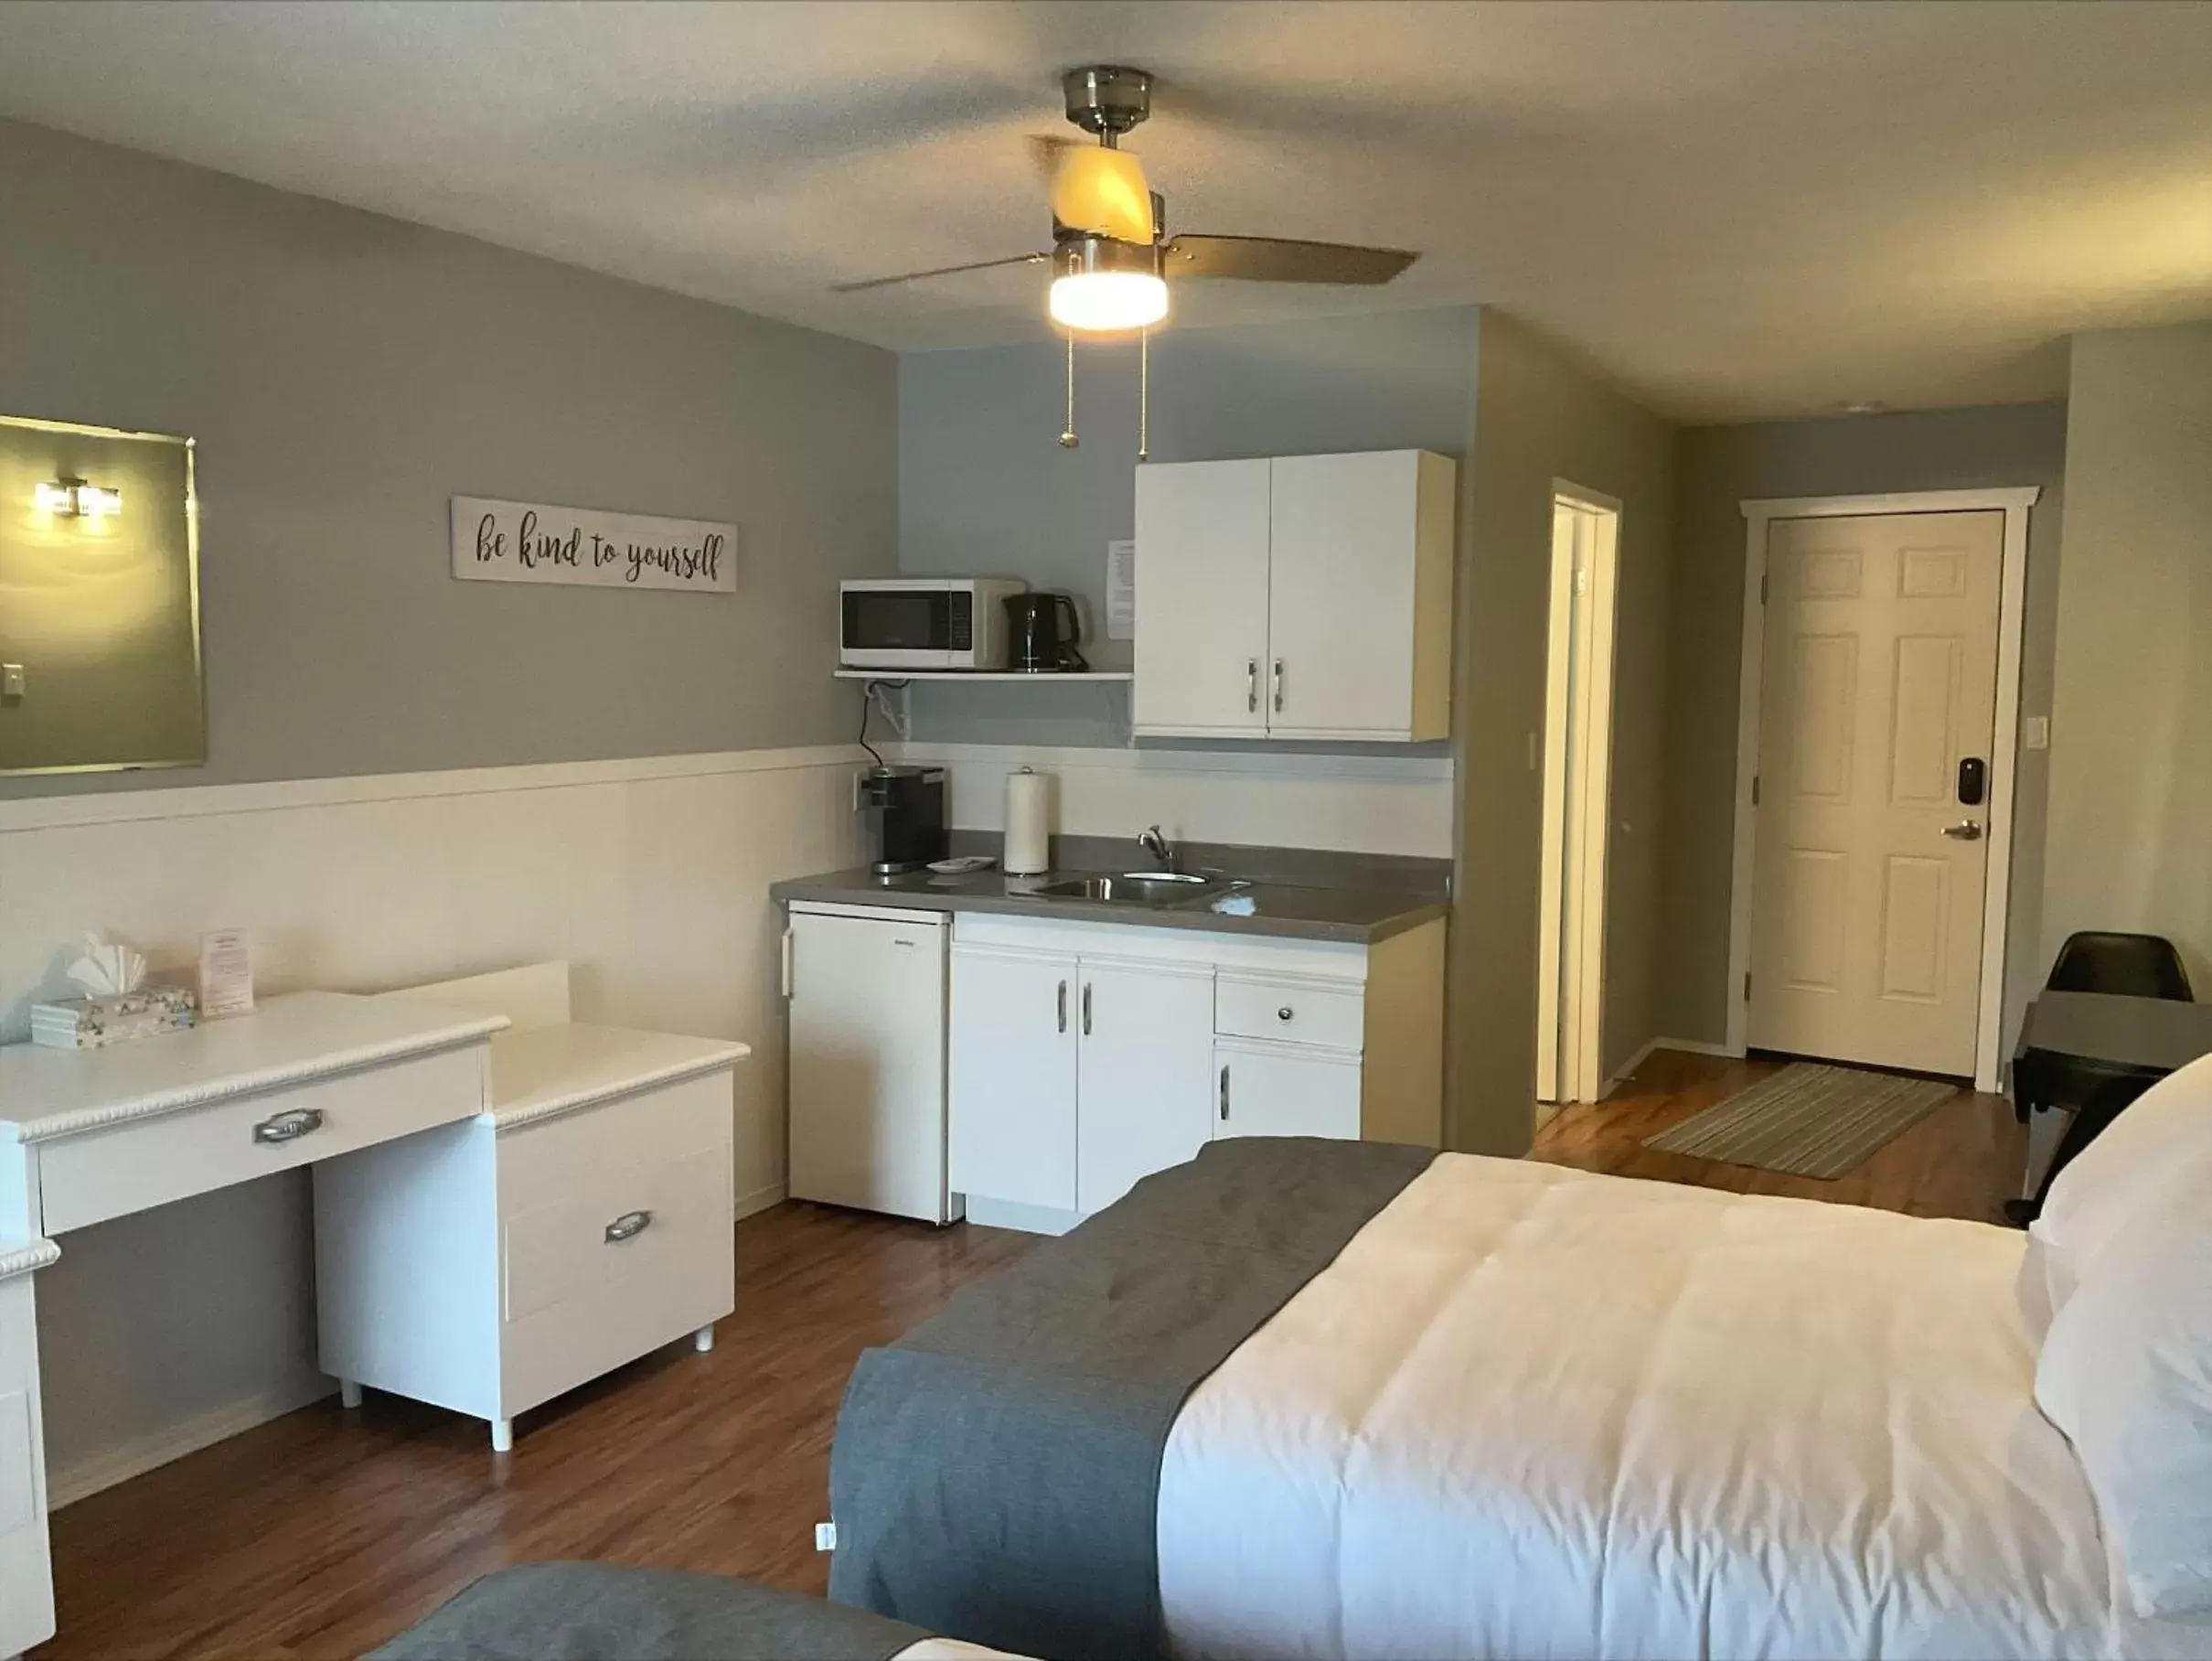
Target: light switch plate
<point>11,680</point>
<point>2035,732</point>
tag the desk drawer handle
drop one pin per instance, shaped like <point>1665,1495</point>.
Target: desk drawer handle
<point>628,1226</point>
<point>1284,1013</point>
<point>289,1127</point>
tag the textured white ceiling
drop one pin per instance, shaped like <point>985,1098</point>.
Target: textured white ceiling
<point>1735,210</point>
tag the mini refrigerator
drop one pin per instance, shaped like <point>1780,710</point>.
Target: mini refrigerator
<point>866,990</point>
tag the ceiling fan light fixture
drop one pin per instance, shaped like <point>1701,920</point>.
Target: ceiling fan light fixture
<point>1106,287</point>
<point>1108,302</point>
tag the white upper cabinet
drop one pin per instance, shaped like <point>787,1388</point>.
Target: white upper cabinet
<point>1202,599</point>
<point>1306,596</point>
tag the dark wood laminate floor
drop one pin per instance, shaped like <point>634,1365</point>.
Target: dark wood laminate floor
<point>323,1533</point>
<point>1963,1159</point>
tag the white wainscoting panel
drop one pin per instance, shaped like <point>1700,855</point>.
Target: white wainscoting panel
<point>1363,804</point>
<point>650,876</point>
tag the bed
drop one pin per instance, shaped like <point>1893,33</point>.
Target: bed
<point>1516,1411</point>
<point>606,1612</point>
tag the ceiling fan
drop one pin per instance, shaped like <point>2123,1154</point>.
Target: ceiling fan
<point>1112,259</point>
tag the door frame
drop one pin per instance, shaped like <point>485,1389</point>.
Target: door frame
<point>1759,515</point>
<point>1583,1077</point>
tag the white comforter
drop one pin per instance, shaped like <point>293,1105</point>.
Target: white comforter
<point>1533,1412</point>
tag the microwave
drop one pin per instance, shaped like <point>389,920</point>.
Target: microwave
<point>950,623</point>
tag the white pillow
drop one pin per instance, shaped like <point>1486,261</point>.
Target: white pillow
<point>2126,1373</point>
<point>2158,1143</point>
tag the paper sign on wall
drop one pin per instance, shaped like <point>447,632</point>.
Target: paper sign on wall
<point>497,542</point>
<point>1121,590</point>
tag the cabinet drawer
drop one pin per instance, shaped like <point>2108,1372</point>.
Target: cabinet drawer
<point>1295,1012</point>
<point>615,1235</point>
<point>150,1162</point>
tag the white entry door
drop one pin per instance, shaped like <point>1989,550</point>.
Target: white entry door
<point>1879,682</point>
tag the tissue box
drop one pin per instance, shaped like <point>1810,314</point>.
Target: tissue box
<point>88,1023</point>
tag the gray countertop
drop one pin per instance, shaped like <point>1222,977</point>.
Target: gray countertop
<point>1358,913</point>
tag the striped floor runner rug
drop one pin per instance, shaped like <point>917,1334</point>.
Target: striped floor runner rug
<point>1807,1120</point>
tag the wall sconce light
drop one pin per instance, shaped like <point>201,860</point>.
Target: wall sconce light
<point>69,496</point>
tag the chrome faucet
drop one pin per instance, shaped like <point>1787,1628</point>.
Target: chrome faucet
<point>1158,846</point>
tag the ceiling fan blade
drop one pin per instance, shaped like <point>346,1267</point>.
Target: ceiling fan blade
<point>940,271</point>
<point>1279,260</point>
<point>1103,192</point>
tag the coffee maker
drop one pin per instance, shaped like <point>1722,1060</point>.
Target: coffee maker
<point>907,805</point>
<point>1042,630</point>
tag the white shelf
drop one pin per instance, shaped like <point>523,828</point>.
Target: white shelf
<point>1093,675</point>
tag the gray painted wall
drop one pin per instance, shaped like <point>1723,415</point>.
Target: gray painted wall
<point>1848,456</point>
<point>345,374</point>
<point>985,487</point>
<point>1539,418</point>
<point>2132,726</point>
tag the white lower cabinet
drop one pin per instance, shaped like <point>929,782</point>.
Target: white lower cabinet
<point>1278,1089</point>
<point>490,1265</point>
<point>1141,1101</point>
<point>1084,1057</point>
<point>27,1580</point>
<point>1012,1077</point>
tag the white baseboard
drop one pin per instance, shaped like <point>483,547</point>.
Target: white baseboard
<point>119,1465</point>
<point>1027,1219</point>
<point>1695,1046</point>
<point>759,1200</point>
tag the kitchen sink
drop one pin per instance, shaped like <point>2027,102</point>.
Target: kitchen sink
<point>1130,888</point>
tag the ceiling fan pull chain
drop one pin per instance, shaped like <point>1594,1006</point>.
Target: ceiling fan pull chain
<point>1067,437</point>
<point>1144,394</point>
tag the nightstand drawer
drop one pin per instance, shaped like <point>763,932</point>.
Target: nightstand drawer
<point>1293,1010</point>
<point>97,1174</point>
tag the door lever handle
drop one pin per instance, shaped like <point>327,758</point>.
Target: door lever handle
<point>1965,830</point>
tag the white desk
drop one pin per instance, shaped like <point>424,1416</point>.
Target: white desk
<point>101,1133</point>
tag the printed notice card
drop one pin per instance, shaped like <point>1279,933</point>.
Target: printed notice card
<point>495,542</point>
<point>226,974</point>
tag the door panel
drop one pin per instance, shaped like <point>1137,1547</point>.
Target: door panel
<point>1201,598</point>
<point>1881,669</point>
<point>1278,1090</point>
<point>1013,1076</point>
<point>1146,1097</point>
<point>867,1064</point>
<point>1344,536</point>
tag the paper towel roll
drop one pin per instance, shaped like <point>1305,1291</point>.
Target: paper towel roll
<point>1028,842</point>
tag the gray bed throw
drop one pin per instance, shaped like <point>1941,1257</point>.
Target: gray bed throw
<point>602,1611</point>
<point>996,1473</point>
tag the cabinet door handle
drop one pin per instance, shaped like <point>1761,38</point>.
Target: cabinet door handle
<point>1086,1008</point>
<point>1252,686</point>
<point>1063,1006</point>
<point>1278,686</point>
<point>289,1127</point>
<point>1284,1013</point>
<point>628,1226</point>
<point>1224,1093</point>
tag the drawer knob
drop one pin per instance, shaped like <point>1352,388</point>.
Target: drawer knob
<point>290,1126</point>
<point>628,1226</point>
<point>1283,1013</point>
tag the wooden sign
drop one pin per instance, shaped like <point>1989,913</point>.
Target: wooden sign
<point>495,542</point>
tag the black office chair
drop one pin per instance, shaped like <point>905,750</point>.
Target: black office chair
<point>2134,965</point>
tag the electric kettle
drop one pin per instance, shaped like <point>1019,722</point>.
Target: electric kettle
<point>1041,631</point>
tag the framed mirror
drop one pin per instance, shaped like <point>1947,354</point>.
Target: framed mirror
<point>99,649</point>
